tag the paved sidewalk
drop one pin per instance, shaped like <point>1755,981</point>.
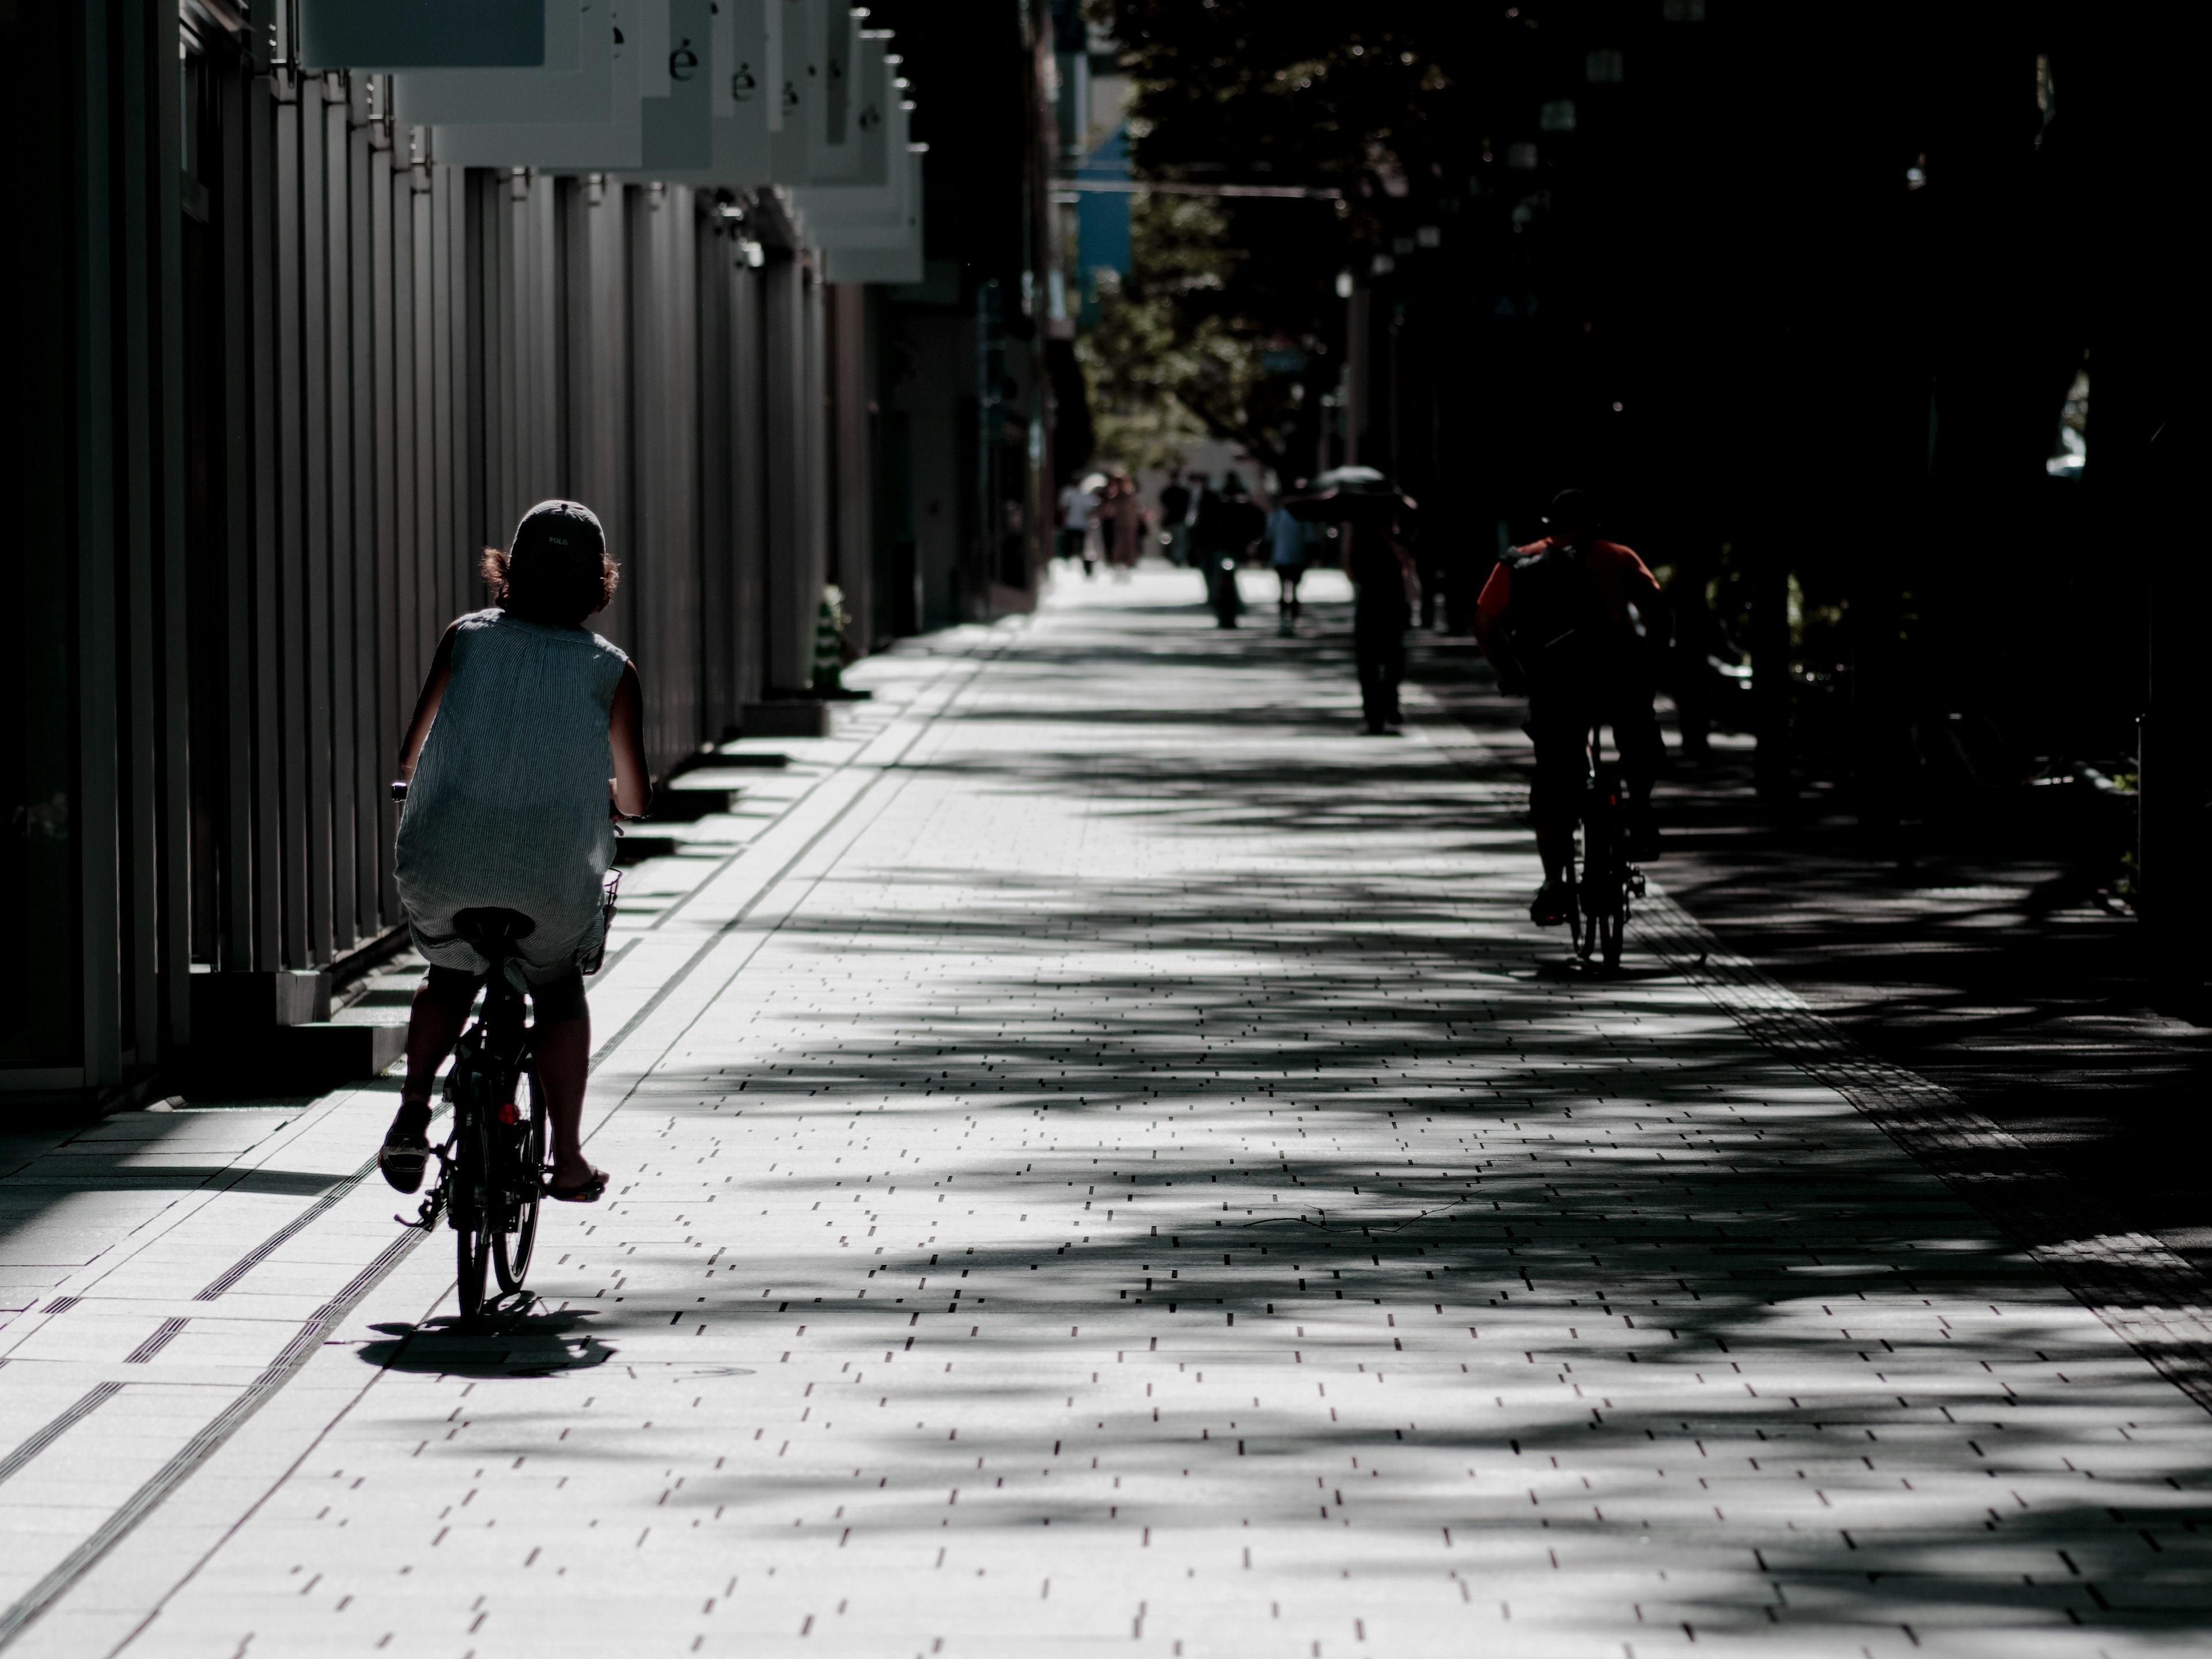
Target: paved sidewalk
<point>1109,1166</point>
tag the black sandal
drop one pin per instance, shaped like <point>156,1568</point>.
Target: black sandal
<point>405,1152</point>
<point>402,1158</point>
<point>590,1190</point>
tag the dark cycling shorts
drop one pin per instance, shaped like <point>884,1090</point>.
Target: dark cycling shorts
<point>1561,725</point>
<point>557,999</point>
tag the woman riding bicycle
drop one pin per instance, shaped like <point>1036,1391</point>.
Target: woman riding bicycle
<point>526,722</point>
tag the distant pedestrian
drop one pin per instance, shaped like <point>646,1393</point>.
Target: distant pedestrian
<point>1289,540</point>
<point>1222,531</point>
<point>1175,519</point>
<point>1074,519</point>
<point>1387,591</point>
<point>1093,489</point>
<point>1121,519</point>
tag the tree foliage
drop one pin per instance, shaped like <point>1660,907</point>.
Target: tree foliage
<point>1260,91</point>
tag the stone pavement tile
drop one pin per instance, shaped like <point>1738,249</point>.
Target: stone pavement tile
<point>1127,1176</point>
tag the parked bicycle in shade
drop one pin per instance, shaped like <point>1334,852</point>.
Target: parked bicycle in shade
<point>528,722</point>
<point>1575,624</point>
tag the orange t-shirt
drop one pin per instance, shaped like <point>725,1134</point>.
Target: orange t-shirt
<point>1621,577</point>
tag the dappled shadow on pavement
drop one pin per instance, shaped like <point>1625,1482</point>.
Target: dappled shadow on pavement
<point>1170,1133</point>
<point>1987,968</point>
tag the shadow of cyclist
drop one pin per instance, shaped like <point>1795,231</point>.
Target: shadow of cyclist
<point>523,1344</point>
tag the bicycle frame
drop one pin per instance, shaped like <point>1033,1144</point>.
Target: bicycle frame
<point>490,1174</point>
<point>1599,889</point>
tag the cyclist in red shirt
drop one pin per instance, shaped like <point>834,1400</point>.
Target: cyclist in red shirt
<point>1576,624</point>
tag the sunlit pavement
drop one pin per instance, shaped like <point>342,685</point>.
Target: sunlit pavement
<point>1102,1162</point>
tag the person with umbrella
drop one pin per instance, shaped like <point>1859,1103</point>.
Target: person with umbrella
<point>1380,525</point>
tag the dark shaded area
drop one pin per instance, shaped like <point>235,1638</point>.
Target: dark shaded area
<point>1814,301</point>
<point>1997,970</point>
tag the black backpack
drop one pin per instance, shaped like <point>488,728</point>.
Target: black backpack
<point>1555,617</point>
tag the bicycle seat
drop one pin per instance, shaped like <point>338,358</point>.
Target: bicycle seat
<point>492,930</point>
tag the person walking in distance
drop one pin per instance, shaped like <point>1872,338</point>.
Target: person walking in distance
<point>1074,513</point>
<point>1288,540</point>
<point>1217,539</point>
<point>1093,492</point>
<point>1385,591</point>
<point>525,742</point>
<point>1577,624</point>
<point>1174,518</point>
<point>1121,518</point>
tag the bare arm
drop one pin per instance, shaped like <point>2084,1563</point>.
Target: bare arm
<point>632,783</point>
<point>426,706</point>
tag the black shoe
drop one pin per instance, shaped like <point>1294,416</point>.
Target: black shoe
<point>402,1158</point>
<point>406,1148</point>
<point>1549,908</point>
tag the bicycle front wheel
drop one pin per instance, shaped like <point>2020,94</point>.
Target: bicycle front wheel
<point>514,1240</point>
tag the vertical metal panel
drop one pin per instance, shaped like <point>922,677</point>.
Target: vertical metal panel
<point>599,381</point>
<point>355,704</point>
<point>307,741</point>
<point>174,940</point>
<point>454,558</point>
<point>244,118</point>
<point>380,736</point>
<point>814,498</point>
<point>678,392</point>
<point>852,470</point>
<point>719,709</point>
<point>640,442</point>
<point>542,389</point>
<point>364,820</point>
<point>562,276</point>
<point>338,684</point>
<point>787,615</point>
<point>472,330</point>
<point>431,461</point>
<point>97,838</point>
<point>296,251</point>
<point>407,479</point>
<point>273,170</point>
<point>662,446</point>
<point>137,800</point>
<point>748,474</point>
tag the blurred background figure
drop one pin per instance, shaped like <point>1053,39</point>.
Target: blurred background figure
<point>1289,542</point>
<point>1121,523</point>
<point>1387,588</point>
<point>1072,521</point>
<point>1222,527</point>
<point>1094,496</point>
<point>1174,518</point>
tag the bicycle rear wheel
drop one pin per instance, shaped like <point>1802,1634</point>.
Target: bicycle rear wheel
<point>525,1172</point>
<point>476,1222</point>
<point>1604,880</point>
<point>1612,924</point>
